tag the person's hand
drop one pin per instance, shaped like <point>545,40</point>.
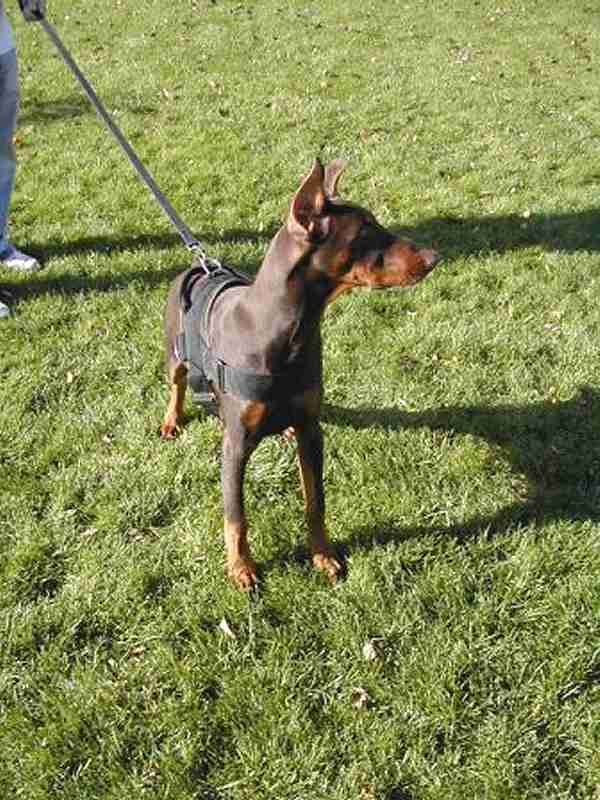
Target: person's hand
<point>33,10</point>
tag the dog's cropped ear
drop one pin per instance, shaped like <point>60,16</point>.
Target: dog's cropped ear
<point>333,172</point>
<point>306,219</point>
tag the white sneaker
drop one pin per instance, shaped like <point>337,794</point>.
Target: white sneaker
<point>14,259</point>
<point>4,310</point>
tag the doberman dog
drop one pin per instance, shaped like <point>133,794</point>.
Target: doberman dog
<point>269,332</point>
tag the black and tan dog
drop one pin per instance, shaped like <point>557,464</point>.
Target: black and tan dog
<point>264,338</point>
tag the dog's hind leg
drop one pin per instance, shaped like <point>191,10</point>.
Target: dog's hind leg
<point>178,382</point>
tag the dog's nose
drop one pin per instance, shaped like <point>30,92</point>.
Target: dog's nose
<point>431,258</point>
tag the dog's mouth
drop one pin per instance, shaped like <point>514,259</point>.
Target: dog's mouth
<point>430,261</point>
<point>414,275</point>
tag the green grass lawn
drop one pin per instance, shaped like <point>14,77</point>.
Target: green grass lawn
<point>460,657</point>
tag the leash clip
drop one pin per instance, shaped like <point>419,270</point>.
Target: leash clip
<point>201,259</point>
<point>211,265</point>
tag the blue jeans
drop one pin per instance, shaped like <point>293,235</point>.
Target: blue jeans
<point>9,107</point>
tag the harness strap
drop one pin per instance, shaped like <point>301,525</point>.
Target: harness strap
<point>199,290</point>
<point>251,385</point>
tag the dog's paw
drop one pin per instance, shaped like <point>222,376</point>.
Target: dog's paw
<point>327,563</point>
<point>243,573</point>
<point>168,431</point>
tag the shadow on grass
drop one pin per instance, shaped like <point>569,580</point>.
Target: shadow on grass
<point>142,241</point>
<point>63,108</point>
<point>45,283</point>
<point>555,447</point>
<point>68,108</point>
<point>455,237</point>
<point>465,236</point>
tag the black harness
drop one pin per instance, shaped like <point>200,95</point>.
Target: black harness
<point>200,288</point>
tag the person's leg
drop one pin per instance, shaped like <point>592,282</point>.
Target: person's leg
<point>9,106</point>
<point>10,257</point>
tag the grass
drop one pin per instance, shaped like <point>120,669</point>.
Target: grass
<point>460,657</point>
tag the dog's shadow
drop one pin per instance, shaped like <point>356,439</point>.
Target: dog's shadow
<point>555,446</point>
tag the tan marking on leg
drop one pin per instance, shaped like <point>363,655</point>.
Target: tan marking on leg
<point>170,427</point>
<point>240,566</point>
<point>253,416</point>
<point>322,555</point>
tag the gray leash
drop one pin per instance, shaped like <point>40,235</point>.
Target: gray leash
<point>189,239</point>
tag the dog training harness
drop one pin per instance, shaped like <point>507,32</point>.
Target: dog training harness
<point>200,288</point>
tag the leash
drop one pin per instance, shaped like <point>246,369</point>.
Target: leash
<point>204,367</point>
<point>190,241</point>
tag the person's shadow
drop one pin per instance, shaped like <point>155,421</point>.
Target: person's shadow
<point>555,447</point>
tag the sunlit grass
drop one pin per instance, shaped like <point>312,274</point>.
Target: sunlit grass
<point>459,658</point>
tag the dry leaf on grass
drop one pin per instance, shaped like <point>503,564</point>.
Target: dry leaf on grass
<point>370,650</point>
<point>225,628</point>
<point>360,698</point>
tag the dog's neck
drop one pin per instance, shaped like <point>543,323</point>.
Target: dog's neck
<point>283,299</point>
<point>284,278</point>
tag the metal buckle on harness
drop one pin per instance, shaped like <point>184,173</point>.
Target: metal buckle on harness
<point>179,349</point>
<point>221,375</point>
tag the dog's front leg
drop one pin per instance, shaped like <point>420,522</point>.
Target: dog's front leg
<point>310,453</point>
<point>237,448</point>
